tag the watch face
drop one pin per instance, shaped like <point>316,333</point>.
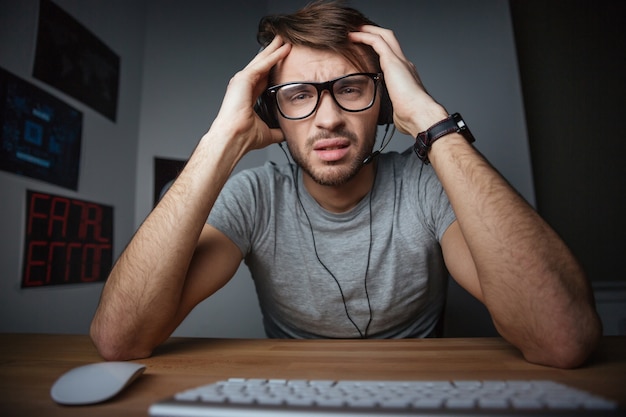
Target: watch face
<point>463,129</point>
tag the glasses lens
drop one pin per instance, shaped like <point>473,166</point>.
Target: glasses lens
<point>354,92</point>
<point>297,100</point>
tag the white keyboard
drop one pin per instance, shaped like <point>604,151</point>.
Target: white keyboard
<point>260,397</point>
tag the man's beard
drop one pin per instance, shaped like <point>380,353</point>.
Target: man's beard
<point>333,173</point>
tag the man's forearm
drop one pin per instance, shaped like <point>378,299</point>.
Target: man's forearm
<point>535,290</point>
<point>139,303</point>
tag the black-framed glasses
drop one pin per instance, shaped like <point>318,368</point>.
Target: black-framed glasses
<point>352,93</point>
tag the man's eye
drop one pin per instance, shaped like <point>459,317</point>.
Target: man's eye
<point>300,97</point>
<point>349,91</point>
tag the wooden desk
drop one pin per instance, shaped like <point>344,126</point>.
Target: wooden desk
<point>29,364</point>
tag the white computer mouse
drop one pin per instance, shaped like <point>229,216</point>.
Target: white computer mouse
<point>94,383</point>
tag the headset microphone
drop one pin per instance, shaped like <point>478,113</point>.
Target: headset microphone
<point>371,157</point>
<point>383,145</point>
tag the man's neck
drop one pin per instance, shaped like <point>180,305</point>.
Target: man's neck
<point>341,198</point>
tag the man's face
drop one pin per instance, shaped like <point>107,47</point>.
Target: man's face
<point>331,144</point>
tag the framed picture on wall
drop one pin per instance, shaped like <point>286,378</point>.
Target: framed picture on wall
<point>71,58</point>
<point>40,135</point>
<point>68,241</point>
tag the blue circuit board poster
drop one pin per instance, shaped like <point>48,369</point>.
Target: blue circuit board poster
<point>40,135</point>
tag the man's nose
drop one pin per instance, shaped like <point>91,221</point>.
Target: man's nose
<point>328,113</point>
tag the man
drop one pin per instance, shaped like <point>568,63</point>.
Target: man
<point>338,247</point>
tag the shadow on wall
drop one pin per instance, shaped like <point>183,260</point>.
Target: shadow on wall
<point>465,316</point>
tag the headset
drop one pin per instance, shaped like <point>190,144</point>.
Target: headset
<point>265,107</point>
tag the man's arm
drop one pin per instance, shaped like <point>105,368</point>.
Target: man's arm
<point>503,253</point>
<point>174,261</point>
<point>160,277</point>
<point>499,248</point>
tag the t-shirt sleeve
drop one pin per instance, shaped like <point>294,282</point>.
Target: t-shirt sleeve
<point>234,211</point>
<point>433,207</point>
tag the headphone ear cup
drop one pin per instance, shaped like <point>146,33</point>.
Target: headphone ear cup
<point>266,112</point>
<point>385,115</point>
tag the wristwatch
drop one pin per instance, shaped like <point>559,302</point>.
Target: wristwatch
<point>451,124</point>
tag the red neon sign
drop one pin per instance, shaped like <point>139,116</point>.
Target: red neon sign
<point>67,241</point>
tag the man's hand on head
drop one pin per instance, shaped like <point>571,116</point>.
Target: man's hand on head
<point>237,115</point>
<point>414,109</point>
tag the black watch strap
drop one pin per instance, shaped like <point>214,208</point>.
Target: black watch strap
<point>451,124</point>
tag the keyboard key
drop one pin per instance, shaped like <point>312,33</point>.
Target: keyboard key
<point>462,403</point>
<point>493,403</point>
<point>428,403</point>
<point>526,403</point>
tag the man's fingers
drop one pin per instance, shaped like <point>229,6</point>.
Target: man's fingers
<point>373,36</point>
<point>269,56</point>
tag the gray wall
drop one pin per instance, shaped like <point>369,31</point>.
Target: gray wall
<point>177,58</point>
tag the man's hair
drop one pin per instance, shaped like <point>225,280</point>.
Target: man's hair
<point>322,25</point>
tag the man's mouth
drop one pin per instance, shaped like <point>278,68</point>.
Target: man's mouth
<point>330,150</point>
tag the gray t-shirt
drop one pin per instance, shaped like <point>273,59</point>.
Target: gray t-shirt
<point>326,275</point>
